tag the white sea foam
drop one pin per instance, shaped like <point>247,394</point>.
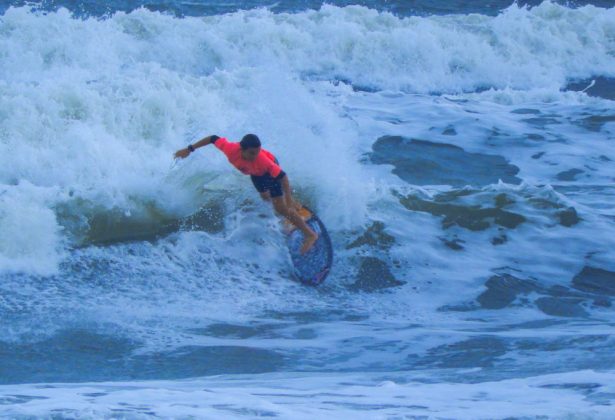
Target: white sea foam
<point>31,240</point>
<point>94,107</point>
<point>306,396</point>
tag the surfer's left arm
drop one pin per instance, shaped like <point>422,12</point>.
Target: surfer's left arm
<point>183,153</point>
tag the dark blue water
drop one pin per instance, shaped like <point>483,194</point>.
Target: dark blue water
<point>205,7</point>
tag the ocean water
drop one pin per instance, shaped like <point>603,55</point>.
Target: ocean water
<point>462,155</point>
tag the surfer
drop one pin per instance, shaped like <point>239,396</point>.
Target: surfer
<point>267,176</point>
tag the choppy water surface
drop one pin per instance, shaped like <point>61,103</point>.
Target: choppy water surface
<point>462,158</point>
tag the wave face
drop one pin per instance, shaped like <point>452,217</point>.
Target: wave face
<point>461,158</point>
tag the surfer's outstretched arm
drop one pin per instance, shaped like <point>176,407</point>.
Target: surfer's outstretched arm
<point>184,153</point>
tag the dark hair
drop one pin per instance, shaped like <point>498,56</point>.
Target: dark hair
<point>249,141</point>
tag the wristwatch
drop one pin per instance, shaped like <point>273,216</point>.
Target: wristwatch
<point>191,148</point>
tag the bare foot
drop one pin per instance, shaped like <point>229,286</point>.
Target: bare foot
<point>309,242</point>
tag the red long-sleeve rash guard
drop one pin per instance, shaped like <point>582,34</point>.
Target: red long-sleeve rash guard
<point>263,164</point>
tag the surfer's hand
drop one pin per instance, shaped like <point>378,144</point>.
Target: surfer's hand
<point>183,153</point>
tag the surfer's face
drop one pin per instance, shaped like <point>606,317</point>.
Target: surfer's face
<point>251,153</point>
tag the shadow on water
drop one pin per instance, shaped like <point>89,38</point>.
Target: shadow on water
<point>374,274</point>
<point>603,87</point>
<point>92,225</point>
<point>471,217</point>
<point>590,288</point>
<point>81,356</point>
<point>494,358</point>
<point>421,162</point>
<point>595,280</point>
<point>475,210</point>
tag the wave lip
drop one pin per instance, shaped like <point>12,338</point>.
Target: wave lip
<point>520,48</point>
<point>31,238</point>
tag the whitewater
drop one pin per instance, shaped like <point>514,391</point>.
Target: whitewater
<point>463,161</point>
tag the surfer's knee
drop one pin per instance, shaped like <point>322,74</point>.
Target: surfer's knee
<point>281,210</point>
<point>280,207</point>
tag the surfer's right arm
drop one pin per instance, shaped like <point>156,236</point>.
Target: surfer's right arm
<point>184,153</point>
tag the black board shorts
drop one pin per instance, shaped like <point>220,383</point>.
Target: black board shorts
<point>266,183</point>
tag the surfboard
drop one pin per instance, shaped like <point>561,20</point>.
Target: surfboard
<point>313,267</point>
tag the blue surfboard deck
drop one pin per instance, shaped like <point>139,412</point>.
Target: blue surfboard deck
<point>313,267</point>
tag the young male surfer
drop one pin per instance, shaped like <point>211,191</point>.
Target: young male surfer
<point>267,176</point>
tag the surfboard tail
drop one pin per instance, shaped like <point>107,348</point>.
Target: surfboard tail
<point>313,267</point>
